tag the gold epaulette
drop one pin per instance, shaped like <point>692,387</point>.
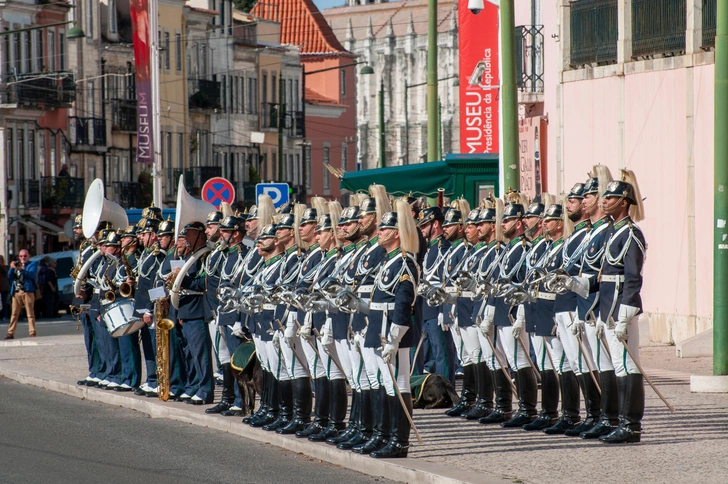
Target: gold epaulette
<point>405,277</point>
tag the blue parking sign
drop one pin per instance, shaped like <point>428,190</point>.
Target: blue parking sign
<point>278,192</point>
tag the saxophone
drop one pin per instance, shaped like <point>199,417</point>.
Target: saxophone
<point>164,325</point>
<point>126,289</point>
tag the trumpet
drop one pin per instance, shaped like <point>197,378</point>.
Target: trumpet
<point>110,293</point>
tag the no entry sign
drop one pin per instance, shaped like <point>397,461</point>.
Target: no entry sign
<point>217,190</point>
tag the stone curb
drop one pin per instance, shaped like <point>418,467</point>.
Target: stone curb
<point>405,470</point>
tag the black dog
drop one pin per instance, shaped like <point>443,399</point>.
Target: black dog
<point>432,391</point>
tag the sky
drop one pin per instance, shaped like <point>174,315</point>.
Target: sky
<point>322,4</point>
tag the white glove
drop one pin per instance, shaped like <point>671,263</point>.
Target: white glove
<point>237,329</point>
<point>600,328</point>
<point>290,333</point>
<point>396,333</point>
<point>577,328</point>
<point>519,324</point>
<point>359,340</point>
<point>441,322</point>
<point>626,314</point>
<point>307,328</point>
<point>277,339</point>
<point>580,285</point>
<point>486,326</point>
<point>327,333</point>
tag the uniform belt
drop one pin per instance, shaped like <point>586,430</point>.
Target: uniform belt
<point>381,306</point>
<point>367,288</point>
<point>548,296</point>
<point>469,294</point>
<point>269,307</point>
<point>96,291</point>
<point>613,278</point>
<point>451,290</point>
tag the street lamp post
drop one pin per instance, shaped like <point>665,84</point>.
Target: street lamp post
<point>381,126</point>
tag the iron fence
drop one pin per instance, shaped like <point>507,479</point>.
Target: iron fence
<point>658,27</point>
<point>529,58</point>
<point>62,191</point>
<point>710,17</point>
<point>594,32</point>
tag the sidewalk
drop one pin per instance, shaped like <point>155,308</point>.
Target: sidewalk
<point>688,446</point>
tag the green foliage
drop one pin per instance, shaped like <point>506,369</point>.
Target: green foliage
<point>244,5</point>
<point>253,175</point>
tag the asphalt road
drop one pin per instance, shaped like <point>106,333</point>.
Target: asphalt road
<point>51,438</point>
<point>63,325</point>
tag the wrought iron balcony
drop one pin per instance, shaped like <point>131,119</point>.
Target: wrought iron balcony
<point>204,94</point>
<point>87,131</point>
<point>62,192</point>
<point>658,27</point>
<point>593,32</point>
<point>293,121</point>
<point>28,193</point>
<point>132,194</point>
<point>529,58</point>
<point>196,176</point>
<point>123,115</point>
<point>710,17</point>
<point>39,91</point>
<point>245,35</point>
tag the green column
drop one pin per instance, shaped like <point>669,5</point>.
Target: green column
<point>382,146</point>
<point>281,121</point>
<point>432,150</point>
<point>720,200</point>
<point>509,93</point>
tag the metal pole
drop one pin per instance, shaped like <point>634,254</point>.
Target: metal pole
<point>439,129</point>
<point>281,120</point>
<point>406,124</point>
<point>381,125</point>
<point>156,103</point>
<point>432,151</point>
<point>720,200</point>
<point>509,99</point>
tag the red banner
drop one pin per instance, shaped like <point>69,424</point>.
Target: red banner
<point>479,78</point>
<point>142,58</point>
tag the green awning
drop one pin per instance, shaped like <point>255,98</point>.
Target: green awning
<point>419,179</point>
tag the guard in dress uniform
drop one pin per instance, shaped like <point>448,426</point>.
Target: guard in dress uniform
<point>213,265</point>
<point>442,348</point>
<point>150,260</point>
<point>389,336</point>
<point>489,234</point>
<point>232,232</point>
<point>588,306</point>
<point>129,350</point>
<point>620,302</point>
<point>578,355</point>
<point>497,324</point>
<point>200,383</point>
<point>95,363</point>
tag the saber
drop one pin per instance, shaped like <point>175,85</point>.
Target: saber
<point>639,367</point>
<point>401,399</point>
<point>303,361</point>
<point>335,360</point>
<point>525,351</point>
<point>417,351</point>
<point>583,352</point>
<point>548,353</point>
<point>500,362</point>
<point>601,338</point>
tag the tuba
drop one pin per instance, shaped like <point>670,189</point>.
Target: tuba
<point>83,272</point>
<point>176,291</point>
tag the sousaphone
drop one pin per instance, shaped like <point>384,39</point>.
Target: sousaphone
<point>189,208</point>
<point>98,209</point>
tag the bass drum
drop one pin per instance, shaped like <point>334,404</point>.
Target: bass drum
<point>119,318</point>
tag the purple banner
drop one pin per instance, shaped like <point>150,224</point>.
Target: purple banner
<point>142,58</point>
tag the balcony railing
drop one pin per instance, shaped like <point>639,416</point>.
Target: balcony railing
<point>41,90</point>
<point>123,115</point>
<point>87,131</point>
<point>529,58</point>
<point>658,27</point>
<point>245,35</point>
<point>710,17</point>
<point>62,192</point>
<point>29,193</point>
<point>593,32</point>
<point>293,120</point>
<point>204,94</point>
<point>196,176</point>
<point>132,195</point>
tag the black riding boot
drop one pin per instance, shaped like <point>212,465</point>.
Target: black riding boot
<point>467,398</point>
<point>380,436</point>
<point>273,403</point>
<point>302,402</point>
<point>569,405</point>
<point>320,410</point>
<point>337,412</point>
<point>609,417</point>
<point>527,399</point>
<point>503,399</point>
<point>549,402</point>
<point>631,412</point>
<point>228,391</point>
<point>398,444</point>
<point>592,401</point>
<point>353,425</point>
<point>484,404</point>
<point>364,422</point>
<point>286,406</point>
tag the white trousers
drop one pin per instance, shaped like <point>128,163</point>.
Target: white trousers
<point>516,353</point>
<point>400,366</point>
<point>315,363</point>
<point>623,363</point>
<point>577,358</point>
<point>262,351</point>
<point>371,367</point>
<point>275,361</point>
<point>598,349</point>
<point>549,353</point>
<point>295,368</point>
<point>456,333</point>
<point>471,345</point>
<point>359,379</point>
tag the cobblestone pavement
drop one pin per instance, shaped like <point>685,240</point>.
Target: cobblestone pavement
<point>687,446</point>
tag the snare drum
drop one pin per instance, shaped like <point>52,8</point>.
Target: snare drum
<point>119,318</point>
